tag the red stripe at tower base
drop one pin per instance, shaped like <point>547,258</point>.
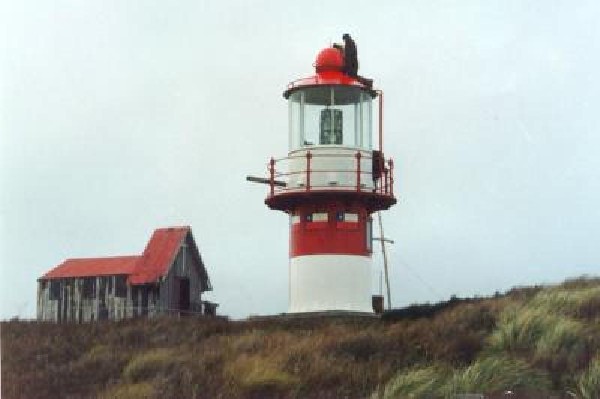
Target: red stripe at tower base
<point>330,230</point>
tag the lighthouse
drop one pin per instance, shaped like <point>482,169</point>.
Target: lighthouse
<point>332,180</point>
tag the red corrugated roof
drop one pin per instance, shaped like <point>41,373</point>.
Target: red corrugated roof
<point>89,267</point>
<point>147,268</point>
<point>158,255</point>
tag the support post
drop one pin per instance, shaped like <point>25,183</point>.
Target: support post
<point>385,181</point>
<point>380,92</point>
<point>308,157</point>
<point>358,156</point>
<point>391,163</point>
<point>272,175</point>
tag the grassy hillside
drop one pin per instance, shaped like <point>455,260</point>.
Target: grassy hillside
<point>531,340</point>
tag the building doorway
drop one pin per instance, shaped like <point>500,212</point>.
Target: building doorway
<point>184,296</point>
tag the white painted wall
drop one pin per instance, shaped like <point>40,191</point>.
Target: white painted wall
<point>342,160</point>
<point>330,282</point>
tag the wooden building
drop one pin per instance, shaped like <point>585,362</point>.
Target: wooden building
<point>168,278</point>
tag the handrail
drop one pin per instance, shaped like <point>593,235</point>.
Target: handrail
<point>320,155</point>
<point>382,185</point>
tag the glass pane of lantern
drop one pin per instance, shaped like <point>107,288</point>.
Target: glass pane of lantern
<point>295,120</point>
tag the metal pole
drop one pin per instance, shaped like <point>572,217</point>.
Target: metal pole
<point>385,263</point>
<point>272,176</point>
<point>380,120</point>
<point>308,157</point>
<point>358,171</point>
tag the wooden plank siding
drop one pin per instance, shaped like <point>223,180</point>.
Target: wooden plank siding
<point>186,265</point>
<point>88,299</point>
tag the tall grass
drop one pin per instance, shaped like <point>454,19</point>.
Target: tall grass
<point>486,375</point>
<point>142,390</point>
<point>581,303</point>
<point>588,382</point>
<point>415,383</point>
<point>551,330</point>
<point>494,374</point>
<point>148,365</point>
<point>260,374</point>
<point>535,331</point>
<point>472,344</point>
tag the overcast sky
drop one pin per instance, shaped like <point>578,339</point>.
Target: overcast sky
<point>119,117</point>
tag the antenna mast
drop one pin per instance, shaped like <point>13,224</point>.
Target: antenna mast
<point>385,262</point>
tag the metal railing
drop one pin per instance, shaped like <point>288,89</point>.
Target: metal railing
<point>311,177</point>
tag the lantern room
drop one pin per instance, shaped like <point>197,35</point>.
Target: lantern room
<point>337,115</point>
<point>331,145</point>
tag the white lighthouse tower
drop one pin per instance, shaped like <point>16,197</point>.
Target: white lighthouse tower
<point>330,183</point>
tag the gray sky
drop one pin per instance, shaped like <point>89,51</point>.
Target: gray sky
<point>118,117</point>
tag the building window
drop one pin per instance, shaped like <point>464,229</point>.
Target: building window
<point>54,290</point>
<point>89,288</point>
<point>120,287</point>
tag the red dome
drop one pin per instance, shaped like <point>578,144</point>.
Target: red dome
<point>329,66</point>
<point>329,59</point>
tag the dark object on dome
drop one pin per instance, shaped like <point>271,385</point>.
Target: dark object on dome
<point>350,56</point>
<point>351,61</point>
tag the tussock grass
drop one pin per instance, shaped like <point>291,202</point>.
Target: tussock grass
<point>416,383</point>
<point>549,330</point>
<point>486,375</point>
<point>148,365</point>
<point>588,382</point>
<point>142,390</point>
<point>527,330</point>
<point>581,303</point>
<point>520,328</point>
<point>495,374</point>
<point>260,374</point>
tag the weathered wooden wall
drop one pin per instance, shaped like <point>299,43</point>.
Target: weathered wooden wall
<point>187,265</point>
<point>141,300</point>
<point>73,306</point>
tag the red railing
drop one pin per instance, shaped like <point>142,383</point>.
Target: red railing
<point>306,177</point>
